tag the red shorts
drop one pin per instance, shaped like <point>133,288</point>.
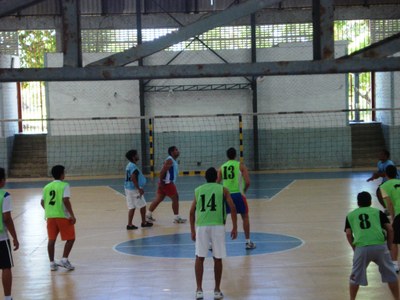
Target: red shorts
<point>167,189</point>
<point>62,226</point>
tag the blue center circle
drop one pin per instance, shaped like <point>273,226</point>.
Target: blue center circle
<point>180,245</point>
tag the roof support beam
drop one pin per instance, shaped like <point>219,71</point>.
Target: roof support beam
<point>184,33</point>
<point>12,6</point>
<point>71,33</point>
<point>383,48</point>
<point>323,42</point>
<point>331,66</point>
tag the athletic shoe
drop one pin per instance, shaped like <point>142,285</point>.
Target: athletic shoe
<point>66,264</point>
<point>179,220</point>
<point>250,245</point>
<point>150,219</point>
<point>218,295</point>
<point>53,266</point>
<point>131,227</point>
<point>147,224</point>
<point>199,295</point>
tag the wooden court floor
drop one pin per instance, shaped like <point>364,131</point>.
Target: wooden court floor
<point>310,208</point>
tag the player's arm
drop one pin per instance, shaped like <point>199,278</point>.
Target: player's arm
<point>232,207</point>
<point>389,233</point>
<point>246,177</point>
<point>8,221</point>
<point>349,234</point>
<point>134,179</point>
<point>167,165</point>
<point>68,206</point>
<point>350,237</point>
<point>389,203</point>
<point>219,176</point>
<point>192,219</point>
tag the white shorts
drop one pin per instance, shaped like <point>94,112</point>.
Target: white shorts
<point>134,200</point>
<point>210,234</point>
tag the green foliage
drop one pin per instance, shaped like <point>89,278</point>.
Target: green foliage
<point>33,44</point>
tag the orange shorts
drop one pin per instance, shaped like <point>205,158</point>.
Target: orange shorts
<point>62,226</point>
<point>167,189</point>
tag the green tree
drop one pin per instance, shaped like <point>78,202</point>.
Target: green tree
<point>33,44</point>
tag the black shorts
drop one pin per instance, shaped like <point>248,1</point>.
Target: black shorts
<point>396,229</point>
<point>6,260</point>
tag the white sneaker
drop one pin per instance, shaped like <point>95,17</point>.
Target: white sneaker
<point>150,219</point>
<point>53,266</point>
<point>179,220</point>
<point>199,295</point>
<point>66,264</point>
<point>250,245</point>
<point>218,295</point>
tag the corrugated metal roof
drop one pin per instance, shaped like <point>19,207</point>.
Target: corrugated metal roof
<point>97,7</point>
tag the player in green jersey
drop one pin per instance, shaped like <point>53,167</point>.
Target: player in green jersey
<point>364,229</point>
<point>207,225</point>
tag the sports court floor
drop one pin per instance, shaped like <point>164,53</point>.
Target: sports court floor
<point>297,221</point>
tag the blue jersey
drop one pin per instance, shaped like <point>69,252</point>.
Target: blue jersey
<point>172,173</point>
<point>129,170</point>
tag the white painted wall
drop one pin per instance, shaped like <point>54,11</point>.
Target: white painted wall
<point>275,93</point>
<point>8,98</point>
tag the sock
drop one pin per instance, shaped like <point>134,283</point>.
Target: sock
<point>64,259</point>
<point>177,217</point>
<point>7,298</point>
<point>247,240</point>
<point>149,214</point>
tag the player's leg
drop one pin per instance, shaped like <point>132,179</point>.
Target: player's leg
<point>394,289</point>
<point>67,231</point>
<point>160,195</point>
<point>52,232</point>
<point>217,276</point>
<point>199,271</point>
<point>6,263</point>
<point>7,281</point>
<point>130,202</point>
<point>353,289</point>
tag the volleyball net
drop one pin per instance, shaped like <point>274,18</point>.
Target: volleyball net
<point>267,141</point>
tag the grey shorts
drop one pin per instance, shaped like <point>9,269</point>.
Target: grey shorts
<point>378,254</point>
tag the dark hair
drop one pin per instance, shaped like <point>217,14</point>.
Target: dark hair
<point>364,199</point>
<point>57,171</point>
<point>386,152</point>
<point>391,171</point>
<point>211,175</point>
<point>171,149</point>
<point>130,154</point>
<point>231,153</point>
<point>2,174</point>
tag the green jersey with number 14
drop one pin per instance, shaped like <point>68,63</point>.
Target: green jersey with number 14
<point>210,205</point>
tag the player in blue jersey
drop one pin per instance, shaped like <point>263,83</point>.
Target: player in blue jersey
<point>134,192</point>
<point>167,187</point>
<point>384,161</point>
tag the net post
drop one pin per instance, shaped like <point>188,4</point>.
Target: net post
<point>240,139</point>
<point>151,147</point>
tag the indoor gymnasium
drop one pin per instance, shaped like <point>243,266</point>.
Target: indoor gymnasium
<point>306,91</point>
